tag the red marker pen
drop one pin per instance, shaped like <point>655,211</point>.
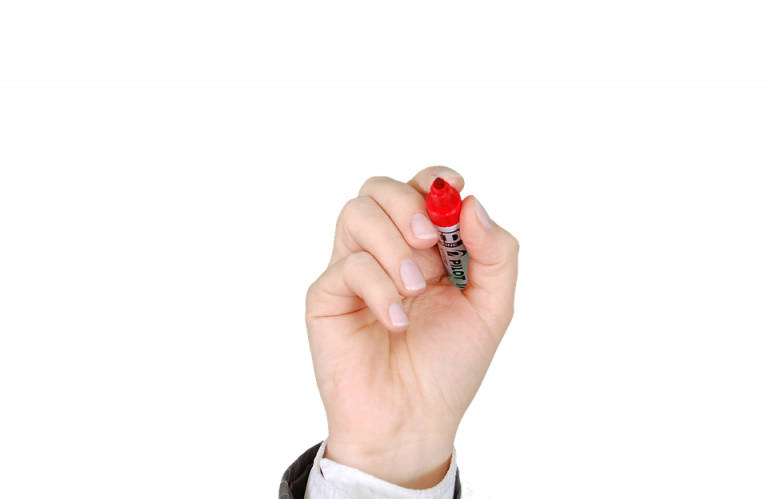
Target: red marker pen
<point>444,208</point>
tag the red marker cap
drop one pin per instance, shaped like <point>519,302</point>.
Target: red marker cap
<point>443,204</point>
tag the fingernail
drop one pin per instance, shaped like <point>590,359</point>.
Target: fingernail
<point>397,314</point>
<point>482,215</point>
<point>422,227</point>
<point>447,172</point>
<point>411,275</point>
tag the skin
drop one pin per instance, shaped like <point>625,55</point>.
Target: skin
<point>394,395</point>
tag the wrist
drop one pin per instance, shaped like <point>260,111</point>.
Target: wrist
<point>414,463</point>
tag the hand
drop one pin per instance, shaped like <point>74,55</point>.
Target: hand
<point>394,392</point>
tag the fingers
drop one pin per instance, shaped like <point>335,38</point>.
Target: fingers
<point>373,260</point>
<point>405,207</point>
<point>492,265</point>
<point>349,282</point>
<point>364,226</point>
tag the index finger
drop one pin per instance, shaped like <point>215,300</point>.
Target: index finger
<point>422,181</point>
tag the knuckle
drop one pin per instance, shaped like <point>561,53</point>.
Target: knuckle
<point>356,261</point>
<point>312,289</point>
<point>356,205</point>
<point>372,180</point>
<point>309,301</point>
<point>352,208</point>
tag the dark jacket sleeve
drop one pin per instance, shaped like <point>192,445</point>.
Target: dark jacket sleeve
<point>294,481</point>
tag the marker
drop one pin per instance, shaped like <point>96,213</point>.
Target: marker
<point>444,208</point>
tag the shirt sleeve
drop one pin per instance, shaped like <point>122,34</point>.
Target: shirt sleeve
<point>331,480</point>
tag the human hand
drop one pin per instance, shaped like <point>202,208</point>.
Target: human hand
<point>398,351</point>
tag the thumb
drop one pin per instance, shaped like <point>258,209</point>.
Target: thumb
<point>492,273</point>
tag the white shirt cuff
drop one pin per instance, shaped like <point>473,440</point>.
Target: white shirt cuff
<point>331,480</point>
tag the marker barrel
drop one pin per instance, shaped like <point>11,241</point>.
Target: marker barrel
<point>454,255</point>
